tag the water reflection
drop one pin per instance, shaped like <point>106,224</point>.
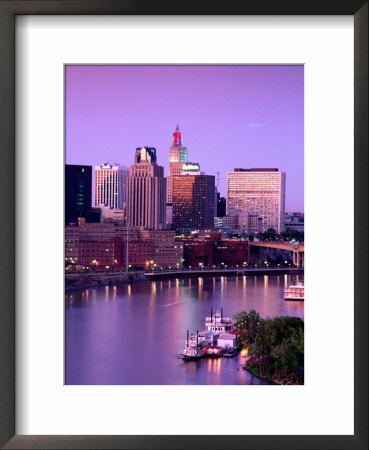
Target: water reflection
<point>136,338</point>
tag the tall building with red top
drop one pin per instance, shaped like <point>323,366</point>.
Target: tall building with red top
<point>178,157</point>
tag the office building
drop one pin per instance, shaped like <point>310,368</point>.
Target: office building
<point>257,192</point>
<point>221,205</point>
<point>193,201</point>
<point>146,190</point>
<point>178,157</point>
<point>178,165</point>
<point>78,192</point>
<point>255,224</point>
<point>110,185</point>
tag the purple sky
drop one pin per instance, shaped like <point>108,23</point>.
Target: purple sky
<point>230,116</point>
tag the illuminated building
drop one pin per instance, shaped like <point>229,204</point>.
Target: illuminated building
<point>228,223</point>
<point>193,201</point>
<point>78,191</point>
<point>257,192</point>
<point>146,188</point>
<point>98,245</point>
<point>178,165</point>
<point>110,185</point>
<point>178,157</point>
<point>213,250</point>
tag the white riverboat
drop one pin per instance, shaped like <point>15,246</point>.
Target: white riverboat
<point>217,323</point>
<point>208,342</point>
<point>294,292</point>
<point>196,345</point>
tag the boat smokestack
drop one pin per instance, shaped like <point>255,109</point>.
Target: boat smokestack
<point>197,336</point>
<point>188,336</point>
<point>211,315</point>
<point>221,314</point>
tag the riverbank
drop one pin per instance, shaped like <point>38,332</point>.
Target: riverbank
<point>277,379</point>
<point>85,279</point>
<point>275,346</point>
<point>76,281</point>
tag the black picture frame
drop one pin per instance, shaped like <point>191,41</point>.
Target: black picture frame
<point>8,12</point>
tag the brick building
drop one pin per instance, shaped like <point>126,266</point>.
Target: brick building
<point>104,245</point>
<point>211,250</point>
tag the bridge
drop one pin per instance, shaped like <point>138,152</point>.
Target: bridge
<point>296,248</point>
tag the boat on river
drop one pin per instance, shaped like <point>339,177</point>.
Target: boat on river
<point>197,345</point>
<point>216,340</point>
<point>218,323</point>
<point>294,292</point>
<point>214,351</point>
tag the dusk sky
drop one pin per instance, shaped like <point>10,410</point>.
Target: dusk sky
<point>229,116</point>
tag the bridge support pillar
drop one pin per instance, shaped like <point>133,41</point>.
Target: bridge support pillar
<point>296,258</point>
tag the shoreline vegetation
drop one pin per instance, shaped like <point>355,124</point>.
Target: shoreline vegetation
<point>75,282</point>
<point>275,346</point>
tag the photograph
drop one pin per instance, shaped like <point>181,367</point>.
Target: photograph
<point>184,224</point>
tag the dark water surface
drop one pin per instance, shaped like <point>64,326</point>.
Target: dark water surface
<point>132,334</point>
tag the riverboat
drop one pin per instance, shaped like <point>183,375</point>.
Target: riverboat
<point>214,351</point>
<point>218,323</point>
<point>294,292</point>
<point>197,344</point>
<point>217,338</point>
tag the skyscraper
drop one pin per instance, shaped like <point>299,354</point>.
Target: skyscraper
<point>146,188</point>
<point>78,191</point>
<point>257,192</point>
<point>193,201</point>
<point>110,185</point>
<point>178,157</point>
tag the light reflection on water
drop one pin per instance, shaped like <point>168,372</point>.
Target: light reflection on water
<point>132,333</point>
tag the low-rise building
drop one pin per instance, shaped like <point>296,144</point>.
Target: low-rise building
<point>212,250</point>
<point>295,221</point>
<point>112,244</point>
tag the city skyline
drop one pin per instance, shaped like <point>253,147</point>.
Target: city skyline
<point>222,112</point>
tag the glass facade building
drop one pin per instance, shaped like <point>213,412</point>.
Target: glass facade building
<point>193,201</point>
<point>78,192</point>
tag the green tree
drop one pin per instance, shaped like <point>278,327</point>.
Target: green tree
<point>249,322</point>
<point>269,235</point>
<point>276,346</point>
<point>290,233</point>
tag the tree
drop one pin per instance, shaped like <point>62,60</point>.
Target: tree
<point>249,322</point>
<point>290,233</point>
<point>275,346</point>
<point>269,235</point>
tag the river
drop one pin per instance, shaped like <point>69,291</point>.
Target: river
<point>132,333</point>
